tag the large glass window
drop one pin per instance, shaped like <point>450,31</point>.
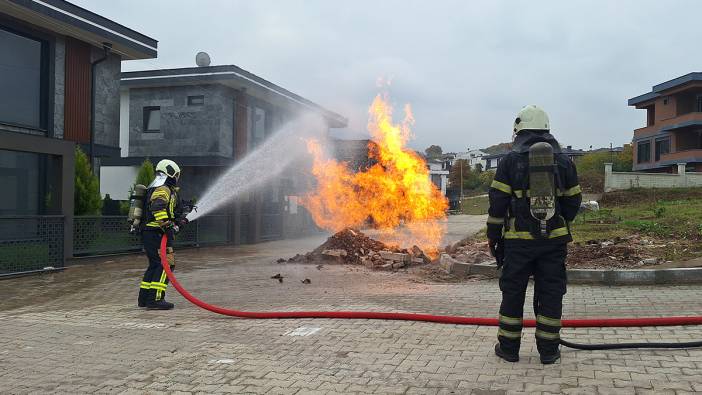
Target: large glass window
<point>30,183</point>
<point>643,153</point>
<point>22,86</point>
<point>662,147</point>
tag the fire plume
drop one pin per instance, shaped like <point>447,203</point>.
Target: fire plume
<point>395,194</point>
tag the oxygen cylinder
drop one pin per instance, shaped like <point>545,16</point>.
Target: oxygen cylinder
<point>542,187</point>
<point>136,207</point>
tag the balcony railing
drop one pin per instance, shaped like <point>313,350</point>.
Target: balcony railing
<point>679,120</point>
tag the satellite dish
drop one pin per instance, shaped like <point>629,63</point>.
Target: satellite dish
<point>202,59</point>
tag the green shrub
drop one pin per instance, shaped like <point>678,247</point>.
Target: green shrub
<point>86,196</point>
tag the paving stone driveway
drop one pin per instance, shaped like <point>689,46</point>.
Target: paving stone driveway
<point>80,332</point>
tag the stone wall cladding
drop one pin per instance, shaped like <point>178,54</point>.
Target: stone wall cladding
<point>206,130</point>
<point>59,85</point>
<point>107,81</point>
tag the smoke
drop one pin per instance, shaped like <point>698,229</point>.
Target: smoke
<point>286,146</point>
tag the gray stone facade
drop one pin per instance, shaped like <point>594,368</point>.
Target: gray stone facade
<point>59,85</point>
<point>107,75</point>
<point>195,130</point>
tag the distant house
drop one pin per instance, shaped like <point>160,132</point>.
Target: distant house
<point>493,160</point>
<point>438,173</point>
<point>206,119</point>
<point>673,131</point>
<point>474,158</point>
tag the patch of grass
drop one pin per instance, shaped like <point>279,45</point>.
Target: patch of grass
<point>476,205</point>
<point>673,214</point>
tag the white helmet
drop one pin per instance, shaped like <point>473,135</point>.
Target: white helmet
<point>169,168</point>
<point>531,117</point>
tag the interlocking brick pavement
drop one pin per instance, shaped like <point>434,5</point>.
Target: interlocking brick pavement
<point>80,332</point>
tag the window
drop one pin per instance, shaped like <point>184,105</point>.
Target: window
<point>23,80</point>
<point>198,100</point>
<point>259,125</point>
<point>665,101</point>
<point>698,106</point>
<point>643,153</point>
<point>662,147</point>
<point>152,119</point>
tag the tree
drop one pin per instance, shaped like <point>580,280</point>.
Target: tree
<point>86,196</point>
<point>145,175</point>
<point>497,148</point>
<point>591,167</point>
<point>461,170</point>
<point>434,151</point>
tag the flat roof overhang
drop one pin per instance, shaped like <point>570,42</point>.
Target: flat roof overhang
<point>68,19</point>
<point>195,161</point>
<point>658,90</point>
<point>231,76</point>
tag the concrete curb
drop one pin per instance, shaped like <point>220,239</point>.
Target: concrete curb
<point>590,276</point>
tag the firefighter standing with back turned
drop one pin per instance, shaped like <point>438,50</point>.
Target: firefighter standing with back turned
<point>163,214</point>
<point>533,198</point>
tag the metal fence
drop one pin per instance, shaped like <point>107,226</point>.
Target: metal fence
<point>94,235</point>
<point>30,243</point>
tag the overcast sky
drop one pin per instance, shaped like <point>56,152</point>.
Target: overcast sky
<point>466,67</point>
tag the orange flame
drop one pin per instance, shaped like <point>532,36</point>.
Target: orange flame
<point>396,193</point>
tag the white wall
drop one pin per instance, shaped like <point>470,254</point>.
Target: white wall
<point>627,180</point>
<point>116,180</point>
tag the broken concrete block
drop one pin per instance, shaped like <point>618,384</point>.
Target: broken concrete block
<point>395,256</point>
<point>336,253</point>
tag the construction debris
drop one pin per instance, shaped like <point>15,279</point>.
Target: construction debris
<point>620,252</point>
<point>278,277</point>
<point>351,246</point>
<point>470,250</point>
<point>617,253</point>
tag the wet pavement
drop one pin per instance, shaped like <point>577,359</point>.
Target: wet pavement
<point>79,331</point>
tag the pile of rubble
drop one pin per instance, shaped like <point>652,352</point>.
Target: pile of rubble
<point>620,252</point>
<point>470,250</point>
<point>351,246</point>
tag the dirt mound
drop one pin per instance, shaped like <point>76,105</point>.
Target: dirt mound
<point>621,252</point>
<point>618,253</point>
<point>351,246</point>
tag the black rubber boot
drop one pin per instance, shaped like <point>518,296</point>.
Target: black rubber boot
<point>143,297</point>
<point>507,357</point>
<point>159,305</point>
<point>548,359</point>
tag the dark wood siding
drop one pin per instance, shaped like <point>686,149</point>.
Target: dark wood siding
<point>77,116</point>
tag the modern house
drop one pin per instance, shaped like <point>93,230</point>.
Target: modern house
<point>206,118</point>
<point>59,86</point>
<point>673,131</point>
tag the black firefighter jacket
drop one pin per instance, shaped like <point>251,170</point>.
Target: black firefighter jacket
<point>509,214</point>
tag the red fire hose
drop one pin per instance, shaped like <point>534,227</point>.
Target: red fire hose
<point>447,319</point>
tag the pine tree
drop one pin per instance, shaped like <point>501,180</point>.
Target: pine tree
<point>87,197</point>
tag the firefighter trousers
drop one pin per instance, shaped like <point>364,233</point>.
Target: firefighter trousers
<point>546,262</point>
<point>154,283</point>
